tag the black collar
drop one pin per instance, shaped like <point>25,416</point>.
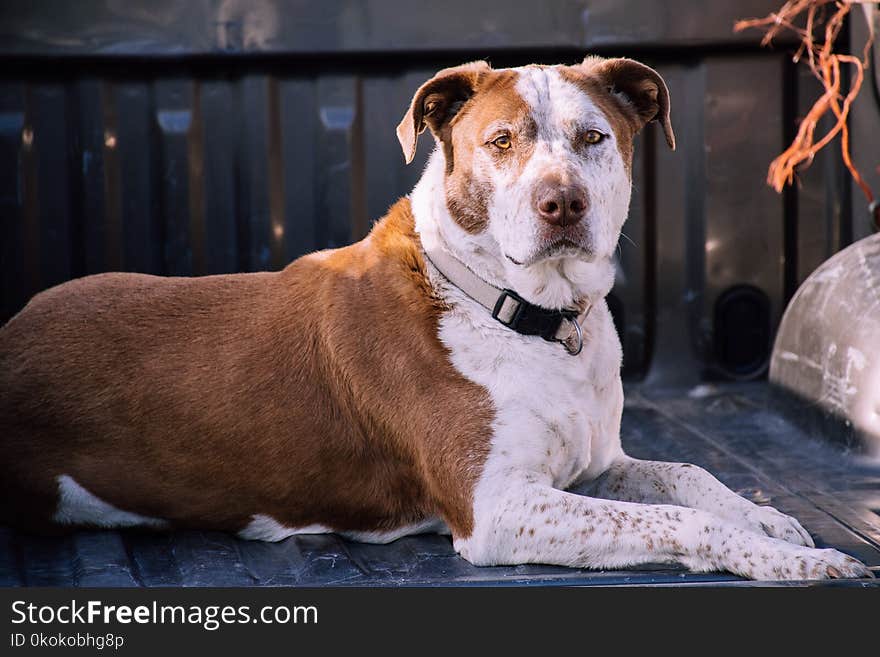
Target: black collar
<point>530,319</point>
<point>561,325</point>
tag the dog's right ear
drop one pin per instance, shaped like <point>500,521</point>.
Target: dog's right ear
<point>640,86</point>
<point>436,102</point>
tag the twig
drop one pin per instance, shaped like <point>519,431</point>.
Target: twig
<point>825,65</point>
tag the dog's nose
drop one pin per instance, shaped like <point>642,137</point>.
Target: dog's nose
<point>560,204</point>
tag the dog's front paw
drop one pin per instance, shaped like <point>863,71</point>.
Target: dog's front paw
<point>772,559</point>
<point>770,522</point>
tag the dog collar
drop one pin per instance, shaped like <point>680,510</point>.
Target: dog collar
<point>510,309</point>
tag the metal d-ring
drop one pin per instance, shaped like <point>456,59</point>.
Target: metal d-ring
<point>580,339</point>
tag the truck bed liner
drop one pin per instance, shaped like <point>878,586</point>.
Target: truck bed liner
<point>736,431</point>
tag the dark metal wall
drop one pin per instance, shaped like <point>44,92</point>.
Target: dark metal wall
<point>189,138</point>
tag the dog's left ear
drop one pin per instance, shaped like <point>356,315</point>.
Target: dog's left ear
<point>641,87</point>
<point>437,102</point>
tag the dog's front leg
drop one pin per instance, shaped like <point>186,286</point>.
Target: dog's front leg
<point>656,482</point>
<point>534,523</point>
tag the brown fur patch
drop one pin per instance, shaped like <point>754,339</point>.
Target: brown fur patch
<point>624,122</point>
<point>317,394</point>
<point>467,192</point>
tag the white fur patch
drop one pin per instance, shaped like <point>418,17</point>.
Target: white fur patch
<point>77,506</point>
<point>561,112</point>
<point>557,417</point>
<point>430,526</point>
<point>266,528</point>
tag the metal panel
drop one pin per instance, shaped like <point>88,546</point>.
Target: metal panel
<point>863,124</point>
<point>51,149</point>
<point>221,120</point>
<point>679,182</point>
<point>671,23</point>
<point>137,149</point>
<point>37,233</point>
<point>299,139</point>
<point>15,139</point>
<point>831,209</point>
<point>174,122</point>
<point>98,235</point>
<point>253,200</point>
<point>743,216</point>
<point>820,206</point>
<point>631,285</point>
<point>199,27</point>
<point>718,225</point>
<point>339,166</point>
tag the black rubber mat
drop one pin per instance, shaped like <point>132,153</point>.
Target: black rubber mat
<point>737,432</point>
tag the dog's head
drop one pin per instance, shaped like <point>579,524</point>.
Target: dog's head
<point>539,156</point>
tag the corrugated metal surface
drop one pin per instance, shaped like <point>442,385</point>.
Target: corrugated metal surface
<point>197,165</point>
<point>191,176</point>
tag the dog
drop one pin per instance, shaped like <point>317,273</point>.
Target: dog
<point>456,371</point>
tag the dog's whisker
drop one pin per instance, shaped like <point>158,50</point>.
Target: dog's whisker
<point>628,239</point>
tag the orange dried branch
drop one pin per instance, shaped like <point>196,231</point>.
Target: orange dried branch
<point>825,64</point>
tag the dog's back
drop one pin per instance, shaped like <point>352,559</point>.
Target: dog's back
<point>118,369</point>
<point>209,402</point>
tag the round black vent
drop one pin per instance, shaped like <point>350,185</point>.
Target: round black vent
<point>742,332</point>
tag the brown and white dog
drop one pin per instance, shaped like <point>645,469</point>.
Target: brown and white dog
<point>360,391</point>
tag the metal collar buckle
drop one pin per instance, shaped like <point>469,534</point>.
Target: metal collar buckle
<point>578,334</point>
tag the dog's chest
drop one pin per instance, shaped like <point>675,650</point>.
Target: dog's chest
<point>556,415</point>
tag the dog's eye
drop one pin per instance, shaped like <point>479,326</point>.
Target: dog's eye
<point>593,136</point>
<point>503,142</point>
